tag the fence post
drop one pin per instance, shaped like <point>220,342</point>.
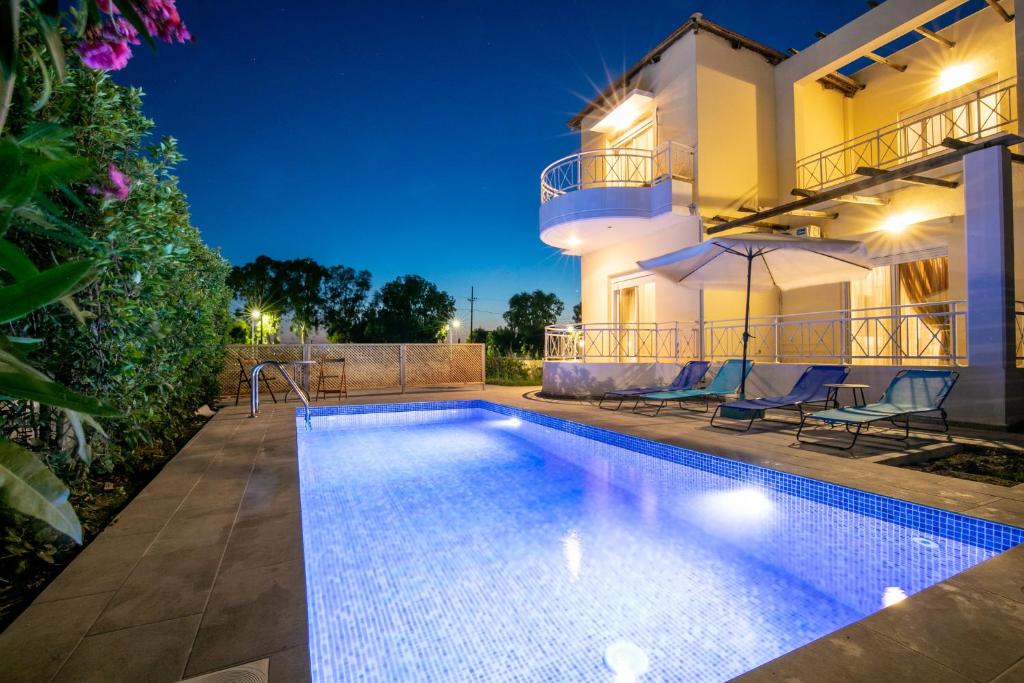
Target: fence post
<point>401,366</point>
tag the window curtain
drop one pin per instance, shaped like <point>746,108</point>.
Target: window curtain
<point>928,279</point>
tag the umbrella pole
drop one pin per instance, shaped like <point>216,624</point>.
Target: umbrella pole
<point>746,331</point>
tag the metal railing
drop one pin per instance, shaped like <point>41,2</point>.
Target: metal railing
<point>629,342</point>
<point>617,168</point>
<point>982,113</point>
<point>254,394</point>
<point>933,333</point>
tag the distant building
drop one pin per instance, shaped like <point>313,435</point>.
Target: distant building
<point>711,130</point>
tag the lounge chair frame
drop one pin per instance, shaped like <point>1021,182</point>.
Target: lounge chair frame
<point>798,406</point>
<point>625,394</point>
<point>863,425</point>
<point>644,402</point>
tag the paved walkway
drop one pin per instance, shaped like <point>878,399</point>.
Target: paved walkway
<point>203,570</point>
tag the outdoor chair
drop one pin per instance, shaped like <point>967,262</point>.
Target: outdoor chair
<point>911,392</point>
<point>331,369</point>
<point>726,382</point>
<point>689,376</point>
<point>245,367</point>
<point>809,389</point>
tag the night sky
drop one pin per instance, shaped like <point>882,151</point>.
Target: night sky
<point>407,137</point>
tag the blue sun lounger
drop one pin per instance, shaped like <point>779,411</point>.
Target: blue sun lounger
<point>726,382</point>
<point>911,392</point>
<point>809,389</point>
<point>688,378</point>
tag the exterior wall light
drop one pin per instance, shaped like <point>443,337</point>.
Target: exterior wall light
<point>954,76</point>
<point>625,112</point>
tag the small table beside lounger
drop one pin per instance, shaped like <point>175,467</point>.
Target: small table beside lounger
<point>833,393</point>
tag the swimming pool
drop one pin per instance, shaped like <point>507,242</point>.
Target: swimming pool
<point>465,540</point>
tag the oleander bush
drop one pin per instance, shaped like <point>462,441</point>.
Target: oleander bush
<point>114,310</point>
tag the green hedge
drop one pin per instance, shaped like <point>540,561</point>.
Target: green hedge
<point>155,318</point>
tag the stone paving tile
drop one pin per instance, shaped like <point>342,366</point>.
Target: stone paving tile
<point>252,613</point>
<point>258,542</point>
<point>152,653</point>
<point>101,567</point>
<point>976,633</point>
<point>290,666</point>
<point>33,648</point>
<point>854,653</point>
<point>186,531</point>
<point>273,491</point>
<point>149,513</point>
<point>163,586</point>
<point>1004,510</point>
<point>1002,575</point>
<point>1015,674</point>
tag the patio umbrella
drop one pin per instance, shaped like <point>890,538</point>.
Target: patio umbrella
<point>762,261</point>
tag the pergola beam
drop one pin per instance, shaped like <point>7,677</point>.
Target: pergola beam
<point>720,218</point>
<point>912,179</point>
<point>1000,10</point>
<point>935,37</point>
<point>922,31</point>
<point>953,143</point>
<point>836,80</point>
<point>852,188</point>
<point>803,213</point>
<point>846,198</point>
<point>875,57</point>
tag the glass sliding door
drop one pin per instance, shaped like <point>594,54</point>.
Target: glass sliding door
<point>899,312</point>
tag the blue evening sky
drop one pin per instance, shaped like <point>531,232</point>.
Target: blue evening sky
<point>407,137</point>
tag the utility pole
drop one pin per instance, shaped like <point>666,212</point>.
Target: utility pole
<point>472,301</point>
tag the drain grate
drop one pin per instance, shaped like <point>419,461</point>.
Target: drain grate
<point>253,672</point>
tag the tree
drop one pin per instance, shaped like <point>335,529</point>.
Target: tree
<point>478,336</point>
<point>343,295</point>
<point>408,309</point>
<point>301,282</point>
<point>577,313</point>
<point>502,341</point>
<point>259,285</point>
<point>528,314</point>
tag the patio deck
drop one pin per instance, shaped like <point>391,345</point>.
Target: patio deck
<point>204,571</point>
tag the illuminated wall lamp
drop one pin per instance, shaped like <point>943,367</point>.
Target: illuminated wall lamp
<point>954,76</point>
<point>625,112</point>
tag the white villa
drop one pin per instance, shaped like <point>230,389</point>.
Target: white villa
<point>712,132</point>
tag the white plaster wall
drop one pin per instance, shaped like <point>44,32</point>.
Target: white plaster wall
<point>969,403</point>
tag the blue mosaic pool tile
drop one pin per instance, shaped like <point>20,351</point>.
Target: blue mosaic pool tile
<point>983,533</point>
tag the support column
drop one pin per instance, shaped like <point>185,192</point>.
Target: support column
<point>993,382</point>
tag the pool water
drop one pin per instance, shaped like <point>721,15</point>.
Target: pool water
<point>471,542</point>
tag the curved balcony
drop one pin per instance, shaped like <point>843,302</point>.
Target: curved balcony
<point>595,198</point>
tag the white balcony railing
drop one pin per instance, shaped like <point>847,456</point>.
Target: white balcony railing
<point>617,168</point>
<point>647,342</point>
<point>982,113</point>
<point>933,333</point>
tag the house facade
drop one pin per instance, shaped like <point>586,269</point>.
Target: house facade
<point>714,133</point>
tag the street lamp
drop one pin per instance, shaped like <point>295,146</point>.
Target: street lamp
<point>453,325</point>
<point>254,315</point>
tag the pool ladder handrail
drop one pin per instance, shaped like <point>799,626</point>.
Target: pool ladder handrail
<point>254,392</point>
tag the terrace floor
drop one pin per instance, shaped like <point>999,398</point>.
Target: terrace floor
<point>203,570</point>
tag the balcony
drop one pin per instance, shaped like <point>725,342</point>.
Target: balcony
<point>980,114</point>
<point>914,334</point>
<point>596,198</point>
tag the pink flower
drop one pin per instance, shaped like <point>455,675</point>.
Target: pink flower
<point>119,188</point>
<point>106,44</point>
<point>107,56</point>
